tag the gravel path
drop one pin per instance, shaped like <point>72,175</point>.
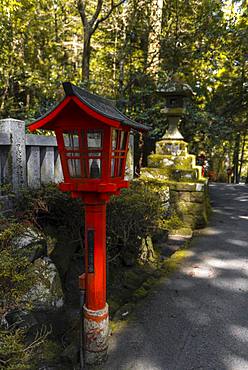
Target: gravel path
<point>199,318</point>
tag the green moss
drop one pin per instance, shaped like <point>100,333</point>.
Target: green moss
<point>156,173</point>
<point>139,293</point>
<point>183,163</point>
<point>160,161</point>
<point>148,284</point>
<point>151,278</point>
<point>154,183</point>
<point>116,326</point>
<point>184,175</point>
<point>50,351</point>
<point>183,231</point>
<point>172,223</point>
<point>172,264</point>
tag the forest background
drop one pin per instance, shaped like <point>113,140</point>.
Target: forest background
<point>124,50</point>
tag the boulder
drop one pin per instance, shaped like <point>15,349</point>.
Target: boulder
<point>32,244</point>
<point>47,292</point>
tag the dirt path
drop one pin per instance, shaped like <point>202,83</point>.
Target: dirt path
<point>199,318</point>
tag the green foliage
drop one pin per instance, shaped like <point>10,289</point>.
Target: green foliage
<point>37,210</point>
<point>16,274</point>
<point>49,206</point>
<point>13,354</point>
<point>202,43</point>
<point>131,217</point>
<point>172,223</point>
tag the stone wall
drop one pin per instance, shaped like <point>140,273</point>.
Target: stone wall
<point>191,203</point>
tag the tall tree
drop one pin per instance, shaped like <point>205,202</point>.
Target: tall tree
<point>91,19</point>
<point>155,36</point>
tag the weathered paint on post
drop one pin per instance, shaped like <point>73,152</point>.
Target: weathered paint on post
<point>96,331</point>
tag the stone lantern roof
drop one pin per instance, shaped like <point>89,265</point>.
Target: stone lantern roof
<point>173,87</point>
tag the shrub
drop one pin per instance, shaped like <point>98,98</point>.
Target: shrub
<point>49,206</point>
<point>17,277</point>
<point>130,217</point>
<point>16,274</point>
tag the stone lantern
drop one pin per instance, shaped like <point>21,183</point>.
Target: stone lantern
<point>175,94</point>
<point>171,160</point>
<point>173,166</point>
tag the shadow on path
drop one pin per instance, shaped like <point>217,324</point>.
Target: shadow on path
<point>199,318</point>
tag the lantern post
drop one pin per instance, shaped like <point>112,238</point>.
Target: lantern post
<point>92,138</point>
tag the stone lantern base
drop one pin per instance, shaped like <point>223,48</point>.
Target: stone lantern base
<point>174,166</point>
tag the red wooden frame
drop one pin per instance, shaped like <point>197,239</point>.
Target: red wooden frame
<point>73,115</point>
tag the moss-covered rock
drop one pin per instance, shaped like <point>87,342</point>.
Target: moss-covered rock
<point>160,161</point>
<point>197,197</point>
<point>183,231</point>
<point>169,147</point>
<point>156,173</point>
<point>183,175</point>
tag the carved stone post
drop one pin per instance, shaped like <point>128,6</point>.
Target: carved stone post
<point>16,161</point>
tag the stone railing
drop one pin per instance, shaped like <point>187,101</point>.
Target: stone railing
<point>32,160</point>
<point>25,159</point>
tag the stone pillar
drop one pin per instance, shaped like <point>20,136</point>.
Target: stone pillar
<point>58,173</point>
<point>33,167</point>
<point>17,153</point>
<point>47,165</point>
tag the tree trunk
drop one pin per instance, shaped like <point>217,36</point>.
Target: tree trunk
<point>154,36</point>
<point>90,26</point>
<point>242,155</point>
<point>86,59</point>
<point>140,154</point>
<point>236,159</point>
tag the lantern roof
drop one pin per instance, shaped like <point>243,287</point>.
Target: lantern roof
<point>173,87</point>
<point>91,103</point>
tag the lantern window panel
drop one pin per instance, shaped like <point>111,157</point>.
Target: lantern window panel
<point>74,167</point>
<point>114,139</point>
<point>95,165</point>
<point>71,140</point>
<point>94,139</point>
<point>118,154</point>
<point>123,140</point>
<point>117,166</point>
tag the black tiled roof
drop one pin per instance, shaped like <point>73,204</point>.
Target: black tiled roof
<point>101,105</point>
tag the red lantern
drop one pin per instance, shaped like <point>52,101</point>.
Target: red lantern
<point>92,137</point>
